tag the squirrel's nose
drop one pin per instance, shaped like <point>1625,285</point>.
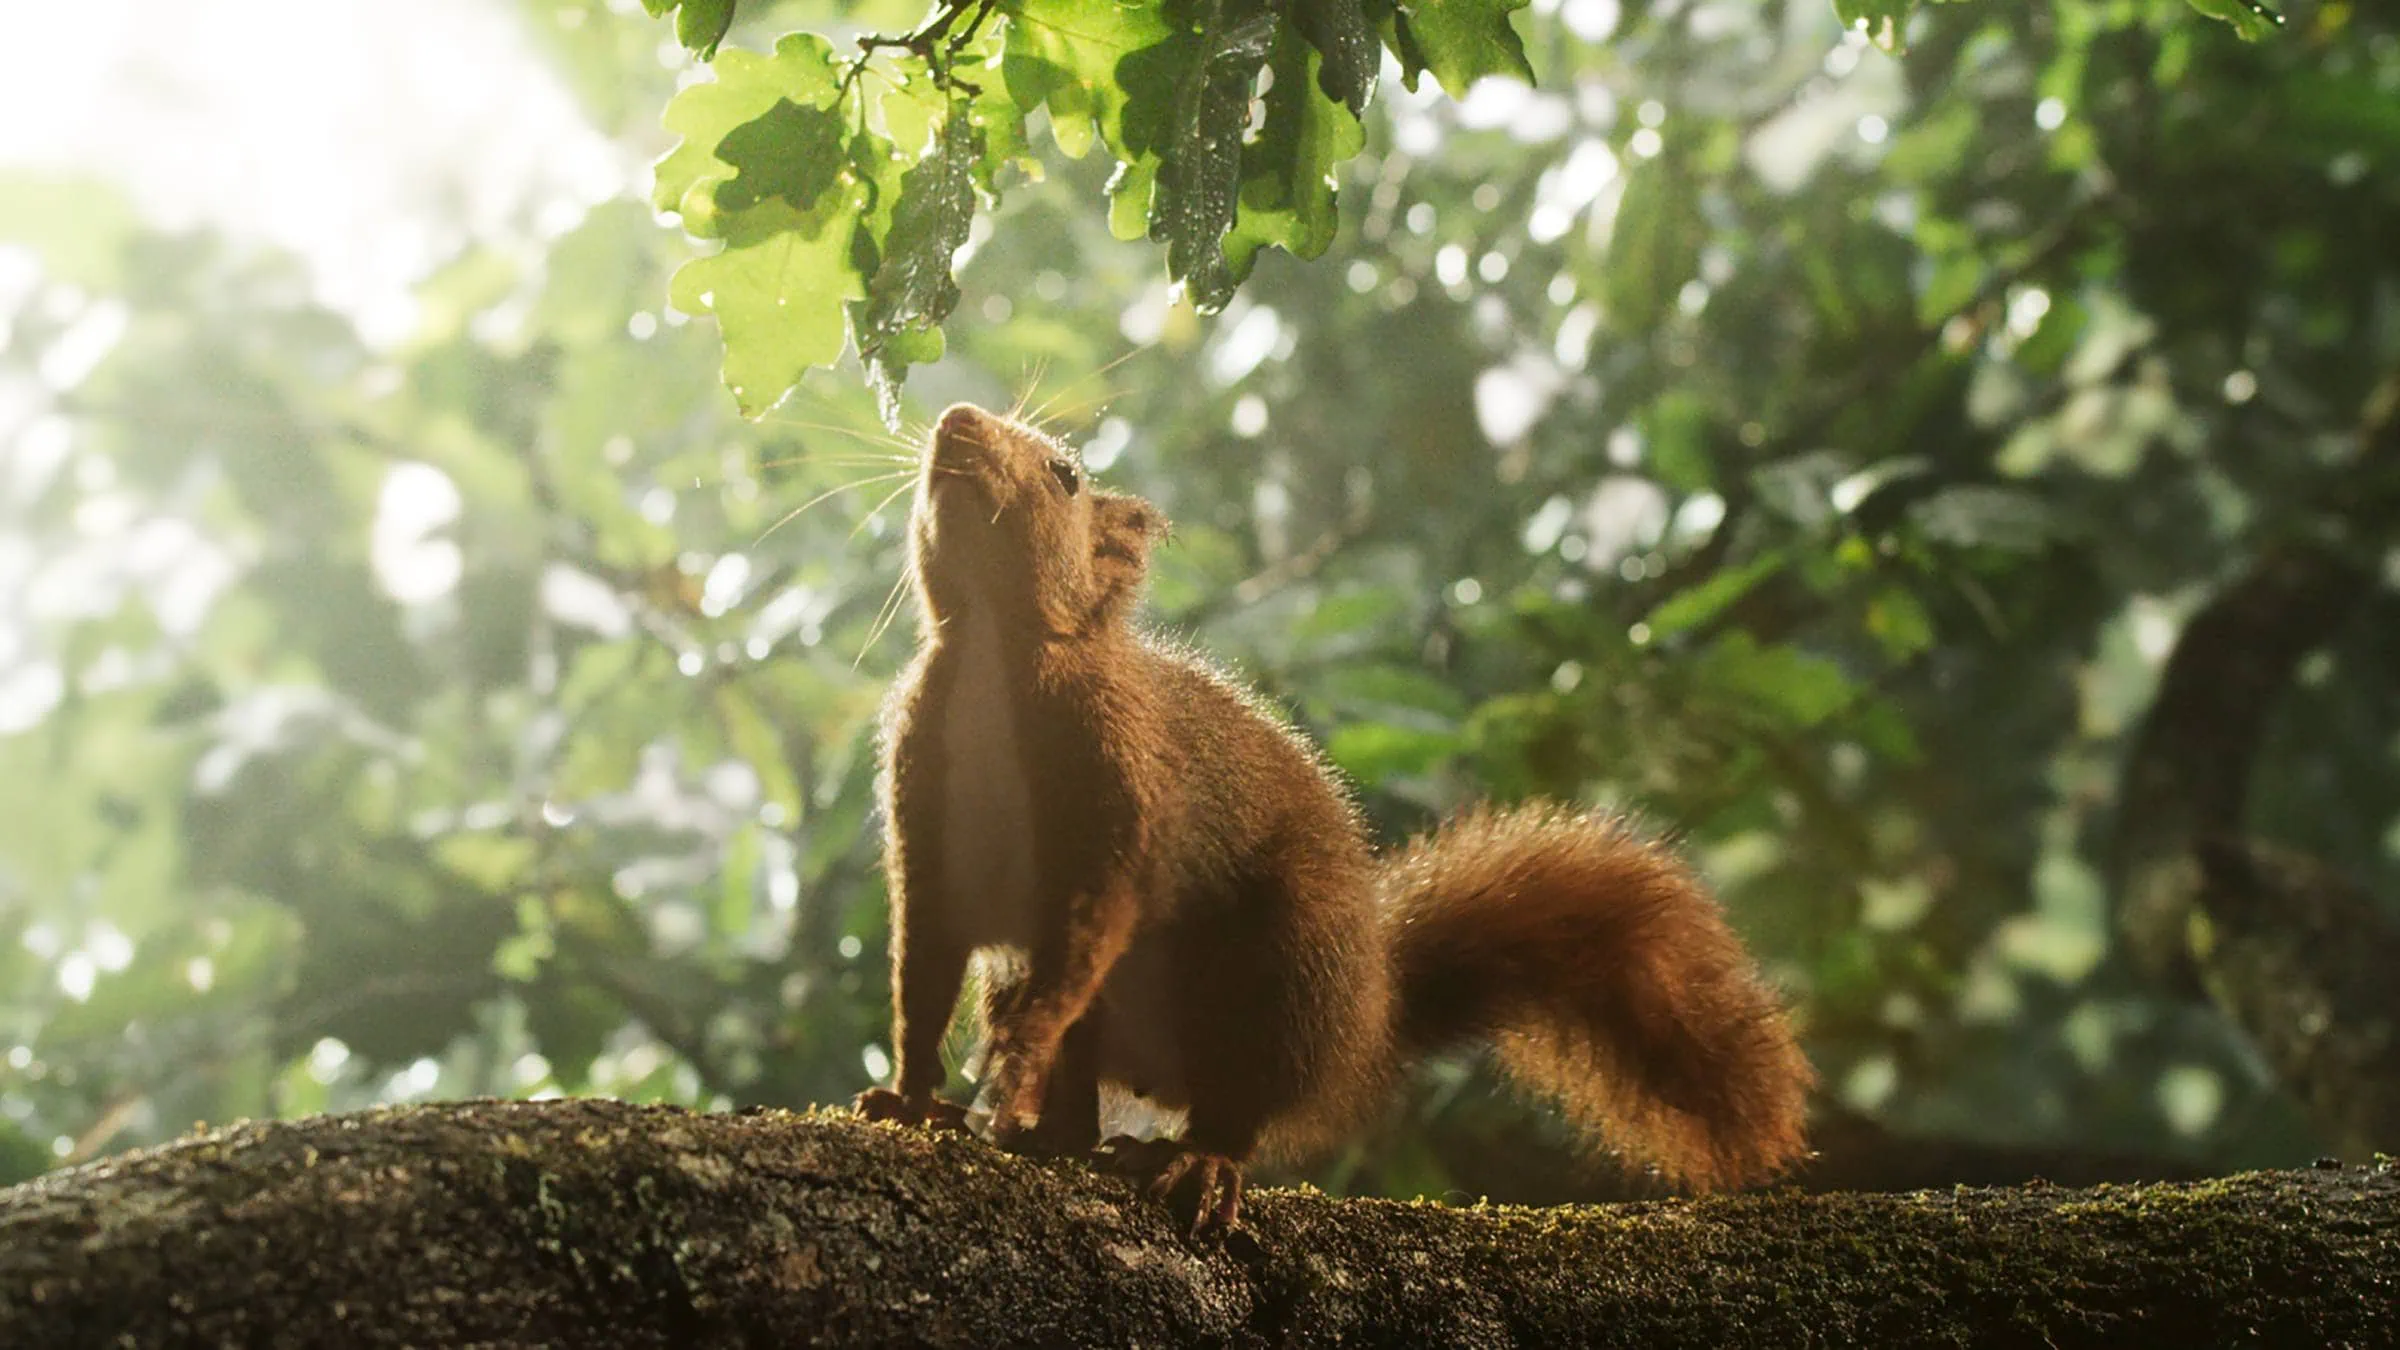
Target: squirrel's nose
<point>964,421</point>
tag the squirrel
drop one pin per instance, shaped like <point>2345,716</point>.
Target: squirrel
<point>1168,890</point>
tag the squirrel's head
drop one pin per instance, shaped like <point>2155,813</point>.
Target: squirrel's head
<point>1006,517</point>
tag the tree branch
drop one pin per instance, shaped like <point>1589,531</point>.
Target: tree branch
<point>2187,776</point>
<point>601,1224</point>
<point>2303,960</point>
<point>2294,955</point>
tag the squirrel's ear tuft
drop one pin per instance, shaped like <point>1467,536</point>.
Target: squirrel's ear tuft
<point>1121,515</point>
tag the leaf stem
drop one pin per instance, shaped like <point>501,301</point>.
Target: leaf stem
<point>934,43</point>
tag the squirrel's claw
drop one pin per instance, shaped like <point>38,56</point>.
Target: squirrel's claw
<point>1202,1190</point>
<point>1205,1186</point>
<point>881,1103</point>
<point>1019,1136</point>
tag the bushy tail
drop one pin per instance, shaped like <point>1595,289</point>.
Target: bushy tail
<point>1605,977</point>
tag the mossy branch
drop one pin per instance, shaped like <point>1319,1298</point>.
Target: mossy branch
<point>595,1223</point>
<point>2291,951</point>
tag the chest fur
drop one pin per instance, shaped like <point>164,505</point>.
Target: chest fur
<point>985,801</point>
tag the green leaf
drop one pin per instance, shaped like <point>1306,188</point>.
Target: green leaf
<point>1001,123</point>
<point>78,227</point>
<point>1952,282</point>
<point>913,290</point>
<point>1358,610</point>
<point>701,24</point>
<point>1792,687</point>
<point>1347,55</point>
<point>1129,192</point>
<point>747,86</point>
<point>2342,110</point>
<point>519,957</point>
<point>1374,752</point>
<point>1064,55</point>
<point>1388,19</point>
<point>887,369</point>
<point>738,879</point>
<point>777,292</point>
<point>1880,20</point>
<point>1899,621</point>
<point>790,151</point>
<point>1394,692</point>
<point>1656,245</point>
<point>1977,516</point>
<point>2251,19</point>
<point>1460,41</point>
<point>2054,341</point>
<point>790,212</point>
<point>1288,172</point>
<point>1678,427</point>
<point>1196,135</point>
<point>1687,609</point>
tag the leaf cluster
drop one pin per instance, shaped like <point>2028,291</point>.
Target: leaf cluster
<point>840,210</point>
<point>1228,121</point>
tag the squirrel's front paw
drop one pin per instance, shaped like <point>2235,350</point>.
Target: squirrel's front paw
<point>881,1103</point>
<point>1019,1134</point>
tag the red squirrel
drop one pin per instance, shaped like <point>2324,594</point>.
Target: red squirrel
<point>1185,902</point>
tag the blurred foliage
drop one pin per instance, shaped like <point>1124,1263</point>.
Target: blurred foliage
<point>837,188</point>
<point>1813,448</point>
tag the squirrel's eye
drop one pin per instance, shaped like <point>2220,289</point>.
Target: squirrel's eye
<point>1067,475</point>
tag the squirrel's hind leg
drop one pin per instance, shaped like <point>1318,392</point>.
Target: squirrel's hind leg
<point>1277,996</point>
<point>1197,1177</point>
<point>1202,1190</point>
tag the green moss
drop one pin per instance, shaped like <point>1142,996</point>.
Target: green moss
<point>604,1224</point>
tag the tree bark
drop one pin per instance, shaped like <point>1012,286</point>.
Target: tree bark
<point>2297,956</point>
<point>596,1223</point>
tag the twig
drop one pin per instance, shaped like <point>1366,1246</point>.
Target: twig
<point>933,42</point>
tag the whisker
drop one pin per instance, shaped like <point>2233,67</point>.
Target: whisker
<point>1039,412</point>
<point>1047,422</point>
<point>827,494</point>
<point>884,615</point>
<point>877,437</point>
<point>849,461</point>
<point>1032,376</point>
<point>889,498</point>
<point>1025,388</point>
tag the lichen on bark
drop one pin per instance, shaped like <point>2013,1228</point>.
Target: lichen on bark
<point>597,1223</point>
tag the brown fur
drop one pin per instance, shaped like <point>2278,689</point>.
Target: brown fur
<point>1205,923</point>
<point>1609,982</point>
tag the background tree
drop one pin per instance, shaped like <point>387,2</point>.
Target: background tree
<point>1857,462</point>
